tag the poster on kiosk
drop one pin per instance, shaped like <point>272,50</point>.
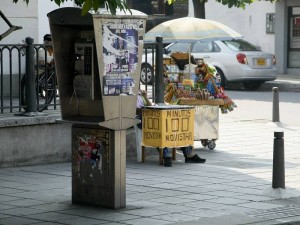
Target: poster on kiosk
<point>119,43</point>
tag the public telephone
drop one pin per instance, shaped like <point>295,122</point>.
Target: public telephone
<point>86,76</point>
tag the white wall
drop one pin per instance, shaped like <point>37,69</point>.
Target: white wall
<point>250,22</point>
<point>19,15</point>
<point>44,7</point>
<point>34,22</point>
<point>32,17</point>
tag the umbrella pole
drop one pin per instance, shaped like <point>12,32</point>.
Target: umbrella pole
<point>159,71</point>
<point>190,61</point>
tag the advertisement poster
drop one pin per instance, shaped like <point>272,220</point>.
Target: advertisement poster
<point>120,53</point>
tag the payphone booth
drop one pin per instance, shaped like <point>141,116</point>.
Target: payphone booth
<point>97,59</point>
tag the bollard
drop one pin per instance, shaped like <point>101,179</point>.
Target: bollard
<point>275,116</point>
<point>30,89</point>
<point>278,180</point>
<point>159,71</point>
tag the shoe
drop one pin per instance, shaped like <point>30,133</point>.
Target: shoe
<point>168,161</point>
<point>194,159</point>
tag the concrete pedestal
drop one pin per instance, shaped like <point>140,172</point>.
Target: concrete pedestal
<point>98,166</point>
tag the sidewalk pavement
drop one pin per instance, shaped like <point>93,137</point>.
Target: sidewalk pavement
<point>233,187</point>
<point>284,83</point>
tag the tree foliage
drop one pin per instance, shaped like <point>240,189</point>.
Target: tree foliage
<point>113,5</point>
<point>87,5</point>
<point>230,3</point>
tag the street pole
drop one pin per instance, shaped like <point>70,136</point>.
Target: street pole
<point>159,78</point>
<point>278,180</point>
<point>275,115</point>
<point>30,90</point>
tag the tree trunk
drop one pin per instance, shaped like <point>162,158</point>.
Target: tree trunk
<point>199,9</point>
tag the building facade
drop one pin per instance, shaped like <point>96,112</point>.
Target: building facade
<point>275,27</point>
<point>287,38</point>
<point>159,11</point>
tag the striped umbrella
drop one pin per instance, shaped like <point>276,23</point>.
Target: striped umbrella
<point>190,29</point>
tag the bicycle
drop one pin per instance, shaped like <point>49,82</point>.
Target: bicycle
<point>45,83</point>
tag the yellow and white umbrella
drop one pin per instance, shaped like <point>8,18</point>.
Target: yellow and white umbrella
<point>190,29</point>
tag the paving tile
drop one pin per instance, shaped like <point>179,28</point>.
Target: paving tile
<point>171,200</point>
<point>17,221</point>
<point>145,212</point>
<point>21,211</point>
<point>4,216</point>
<point>146,221</point>
<point>48,223</point>
<point>260,205</point>
<point>25,202</point>
<point>82,221</point>
<point>5,198</point>
<point>114,217</point>
<point>10,191</point>
<point>54,206</point>
<point>228,201</point>
<point>4,206</point>
<point>50,216</point>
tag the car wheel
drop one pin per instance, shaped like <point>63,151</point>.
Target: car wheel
<point>223,79</point>
<point>146,74</point>
<point>252,85</point>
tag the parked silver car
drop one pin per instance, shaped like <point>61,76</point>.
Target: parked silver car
<point>236,60</point>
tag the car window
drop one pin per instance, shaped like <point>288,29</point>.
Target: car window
<point>240,45</point>
<point>216,47</point>
<point>178,47</point>
<point>200,47</point>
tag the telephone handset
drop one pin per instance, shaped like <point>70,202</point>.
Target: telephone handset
<point>86,70</point>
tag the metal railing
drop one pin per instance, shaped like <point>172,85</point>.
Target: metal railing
<point>153,56</point>
<point>14,65</point>
<point>149,58</point>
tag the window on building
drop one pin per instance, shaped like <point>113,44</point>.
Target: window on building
<point>270,23</point>
<point>294,37</point>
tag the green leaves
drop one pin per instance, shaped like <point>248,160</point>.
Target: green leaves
<point>113,5</point>
<point>15,1</point>
<point>236,3</point>
<point>58,1</point>
<point>230,3</point>
<point>86,7</point>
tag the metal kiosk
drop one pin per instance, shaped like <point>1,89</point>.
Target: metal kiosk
<point>97,59</point>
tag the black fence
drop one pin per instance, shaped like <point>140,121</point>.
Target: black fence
<point>147,74</point>
<point>14,65</point>
<point>16,94</point>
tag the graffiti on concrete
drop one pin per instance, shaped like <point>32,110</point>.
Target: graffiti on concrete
<point>92,150</point>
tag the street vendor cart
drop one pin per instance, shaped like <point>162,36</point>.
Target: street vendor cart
<point>206,96</point>
<point>206,127</point>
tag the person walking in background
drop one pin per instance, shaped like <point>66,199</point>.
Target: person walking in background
<point>46,54</point>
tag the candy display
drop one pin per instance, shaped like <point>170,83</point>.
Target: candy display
<point>202,87</point>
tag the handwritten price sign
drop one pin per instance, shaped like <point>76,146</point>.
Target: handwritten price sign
<point>168,128</point>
